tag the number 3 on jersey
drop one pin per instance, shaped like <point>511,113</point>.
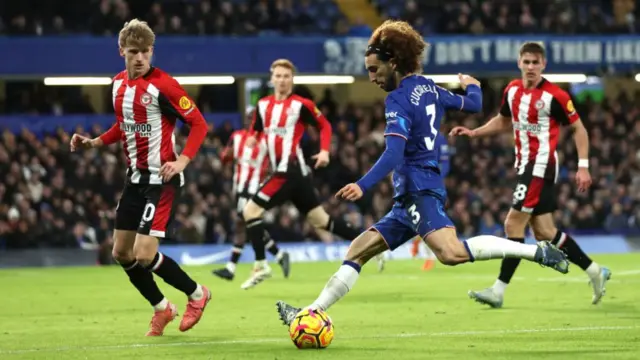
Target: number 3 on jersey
<point>415,216</point>
<point>431,113</point>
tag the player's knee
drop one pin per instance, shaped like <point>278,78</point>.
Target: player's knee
<point>318,217</point>
<point>544,234</point>
<point>449,257</point>
<point>513,227</point>
<point>123,256</point>
<point>252,211</point>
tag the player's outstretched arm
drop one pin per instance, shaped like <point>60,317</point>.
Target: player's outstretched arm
<point>391,156</point>
<point>114,134</point>
<point>496,125</point>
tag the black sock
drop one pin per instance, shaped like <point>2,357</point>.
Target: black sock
<point>270,244</point>
<point>236,253</point>
<point>142,279</point>
<point>509,265</point>
<point>569,246</point>
<point>342,229</point>
<point>255,234</point>
<point>172,274</point>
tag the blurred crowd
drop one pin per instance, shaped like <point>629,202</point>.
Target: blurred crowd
<point>267,17</point>
<point>52,197</point>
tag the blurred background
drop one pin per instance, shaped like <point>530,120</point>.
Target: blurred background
<point>57,208</point>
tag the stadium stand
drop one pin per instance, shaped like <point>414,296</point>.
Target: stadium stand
<point>49,197</point>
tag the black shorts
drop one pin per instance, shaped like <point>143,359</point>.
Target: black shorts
<point>535,195</point>
<point>290,186</point>
<point>147,209</point>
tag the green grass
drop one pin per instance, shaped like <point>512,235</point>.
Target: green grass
<point>403,313</point>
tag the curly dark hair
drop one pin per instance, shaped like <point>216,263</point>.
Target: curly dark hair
<point>402,43</point>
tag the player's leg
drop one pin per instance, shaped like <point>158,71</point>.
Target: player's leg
<point>366,246</point>
<point>272,192</point>
<point>544,229</point>
<point>155,224</point>
<point>128,215</point>
<point>528,197</point>
<point>282,257</point>
<point>426,213</point>
<point>228,272</point>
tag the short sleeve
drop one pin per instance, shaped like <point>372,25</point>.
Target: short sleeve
<point>505,109</point>
<point>562,108</point>
<point>397,118</point>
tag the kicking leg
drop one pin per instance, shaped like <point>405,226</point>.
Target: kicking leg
<point>362,249</point>
<point>514,225</point>
<point>146,252</point>
<point>545,230</point>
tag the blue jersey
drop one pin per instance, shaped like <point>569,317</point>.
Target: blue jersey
<point>443,154</point>
<point>414,111</point>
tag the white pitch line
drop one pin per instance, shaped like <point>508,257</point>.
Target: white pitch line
<point>284,339</point>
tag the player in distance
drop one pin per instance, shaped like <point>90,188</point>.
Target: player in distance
<point>414,109</point>
<point>147,103</point>
<point>534,109</point>
<point>251,165</point>
<point>281,118</point>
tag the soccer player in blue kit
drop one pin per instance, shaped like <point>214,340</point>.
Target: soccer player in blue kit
<point>414,109</point>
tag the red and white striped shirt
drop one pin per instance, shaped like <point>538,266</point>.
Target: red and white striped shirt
<point>283,124</point>
<point>537,115</point>
<point>146,110</point>
<point>251,164</point>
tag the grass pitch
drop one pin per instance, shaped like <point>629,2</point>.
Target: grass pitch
<point>402,313</point>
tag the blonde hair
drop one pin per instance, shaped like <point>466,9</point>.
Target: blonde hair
<point>137,34</point>
<point>283,63</point>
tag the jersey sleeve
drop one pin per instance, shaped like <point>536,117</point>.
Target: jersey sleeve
<point>175,101</point>
<point>562,109</point>
<point>311,115</point>
<point>505,109</point>
<point>398,119</point>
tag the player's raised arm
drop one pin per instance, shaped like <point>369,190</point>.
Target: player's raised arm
<point>562,110</point>
<point>470,102</point>
<point>311,115</point>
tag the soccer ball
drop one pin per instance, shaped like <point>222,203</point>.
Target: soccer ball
<point>311,329</point>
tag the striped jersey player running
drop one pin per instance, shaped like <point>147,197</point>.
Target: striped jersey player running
<point>281,119</point>
<point>535,109</point>
<point>251,165</point>
<point>147,104</point>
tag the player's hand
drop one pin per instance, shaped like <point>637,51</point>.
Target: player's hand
<point>351,192</point>
<point>461,131</point>
<point>81,142</point>
<point>251,142</point>
<point>321,158</point>
<point>466,80</point>
<point>583,179</point>
<point>168,170</point>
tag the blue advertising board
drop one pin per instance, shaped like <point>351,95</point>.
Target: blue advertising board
<point>91,56</point>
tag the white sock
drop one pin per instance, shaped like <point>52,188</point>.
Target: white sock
<point>231,267</point>
<point>259,264</point>
<point>499,287</point>
<point>279,255</point>
<point>593,270</point>
<point>162,305</point>
<point>337,287</point>
<point>198,294</point>
<point>486,247</point>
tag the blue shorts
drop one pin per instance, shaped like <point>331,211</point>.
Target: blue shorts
<point>413,214</point>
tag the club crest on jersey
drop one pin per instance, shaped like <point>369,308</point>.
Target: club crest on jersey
<point>570,108</point>
<point>539,104</point>
<point>145,99</point>
<point>185,103</point>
